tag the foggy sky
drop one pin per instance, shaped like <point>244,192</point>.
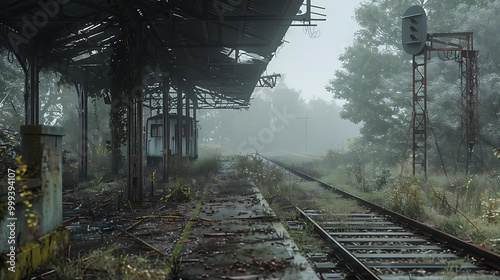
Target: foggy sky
<point>308,63</point>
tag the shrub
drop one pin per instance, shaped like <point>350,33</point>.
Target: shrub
<point>178,193</point>
<point>406,197</point>
<point>491,208</point>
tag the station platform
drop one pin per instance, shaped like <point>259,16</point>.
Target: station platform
<point>228,231</point>
<point>241,238</point>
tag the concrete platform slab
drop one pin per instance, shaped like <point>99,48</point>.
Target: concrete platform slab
<point>243,239</point>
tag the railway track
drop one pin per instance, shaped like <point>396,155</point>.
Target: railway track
<point>377,243</point>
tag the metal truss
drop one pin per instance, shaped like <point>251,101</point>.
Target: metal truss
<point>268,81</point>
<point>419,119</point>
<point>460,46</point>
<point>153,100</point>
<point>470,111</point>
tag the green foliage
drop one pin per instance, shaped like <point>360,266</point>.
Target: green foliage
<point>355,167</point>
<point>207,165</point>
<point>178,193</point>
<point>28,195</point>
<point>334,158</point>
<point>269,178</point>
<point>491,208</point>
<point>261,173</point>
<point>381,179</point>
<point>496,152</point>
<point>375,85</point>
<point>177,166</point>
<point>10,148</point>
<point>108,263</point>
<point>454,225</point>
<point>406,197</point>
<point>99,158</point>
<point>311,168</point>
<point>357,176</point>
<point>175,267</point>
<point>467,207</point>
<point>11,92</point>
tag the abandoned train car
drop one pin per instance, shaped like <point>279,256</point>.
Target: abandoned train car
<point>154,138</point>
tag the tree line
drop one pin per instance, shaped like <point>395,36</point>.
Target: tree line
<point>375,82</point>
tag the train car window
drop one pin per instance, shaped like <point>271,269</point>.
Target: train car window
<point>156,130</point>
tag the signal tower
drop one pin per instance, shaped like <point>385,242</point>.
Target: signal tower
<point>417,42</point>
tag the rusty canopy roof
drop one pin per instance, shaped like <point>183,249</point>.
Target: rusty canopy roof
<point>217,49</point>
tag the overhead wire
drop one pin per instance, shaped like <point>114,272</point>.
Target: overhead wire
<point>311,32</point>
<point>447,55</point>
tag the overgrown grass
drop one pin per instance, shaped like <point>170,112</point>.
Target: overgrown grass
<point>282,190</point>
<point>468,207</point>
<point>116,262</point>
<point>206,165</point>
<point>108,263</point>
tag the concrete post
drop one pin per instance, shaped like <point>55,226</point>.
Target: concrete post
<point>29,246</point>
<point>42,152</point>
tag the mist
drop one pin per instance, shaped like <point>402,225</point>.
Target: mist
<point>278,120</point>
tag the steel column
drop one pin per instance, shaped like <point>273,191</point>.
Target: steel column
<point>32,102</point>
<point>469,89</point>
<point>135,123</point>
<point>419,122</point>
<point>188,127</point>
<point>166,129</point>
<point>470,101</point>
<point>83,119</point>
<point>195,129</point>
<point>179,124</point>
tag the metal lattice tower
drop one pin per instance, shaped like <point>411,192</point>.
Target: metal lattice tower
<point>416,41</point>
<point>419,119</point>
<point>462,45</point>
<point>470,112</point>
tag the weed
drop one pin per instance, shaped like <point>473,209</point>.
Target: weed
<point>381,179</point>
<point>356,175</point>
<point>108,263</point>
<point>182,167</point>
<point>175,267</point>
<point>468,207</point>
<point>491,208</point>
<point>178,193</point>
<point>99,158</point>
<point>406,197</point>
<point>261,173</point>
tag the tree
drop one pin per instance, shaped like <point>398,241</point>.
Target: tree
<point>56,104</point>
<point>372,82</point>
<point>375,79</point>
<point>11,92</point>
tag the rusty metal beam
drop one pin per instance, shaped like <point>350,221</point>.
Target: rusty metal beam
<point>419,119</point>
<point>470,102</point>
<point>470,98</point>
